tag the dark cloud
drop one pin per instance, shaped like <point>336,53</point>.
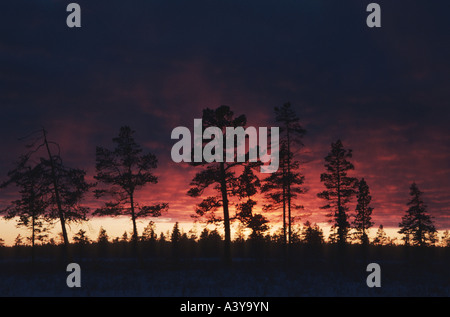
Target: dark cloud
<point>155,65</point>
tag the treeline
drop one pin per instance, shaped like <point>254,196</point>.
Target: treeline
<point>307,234</point>
<point>178,247</point>
<point>51,192</point>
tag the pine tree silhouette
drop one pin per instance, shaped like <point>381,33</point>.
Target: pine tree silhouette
<point>30,209</point>
<point>149,233</point>
<point>51,189</point>
<point>363,219</point>
<point>124,237</point>
<point>18,241</point>
<point>176,234</point>
<point>417,225</point>
<point>283,186</point>
<point>445,239</point>
<point>102,236</point>
<point>219,175</point>
<point>81,238</point>
<point>69,188</point>
<point>340,188</point>
<point>123,171</point>
<point>380,238</point>
<point>258,225</point>
<point>312,234</point>
<point>274,190</point>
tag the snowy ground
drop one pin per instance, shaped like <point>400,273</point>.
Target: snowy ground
<point>208,277</point>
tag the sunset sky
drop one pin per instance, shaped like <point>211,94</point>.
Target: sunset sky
<point>154,65</point>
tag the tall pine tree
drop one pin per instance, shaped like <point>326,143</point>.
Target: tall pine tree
<point>218,175</point>
<point>340,188</point>
<point>283,187</point>
<point>124,171</point>
<point>274,190</point>
<point>62,187</point>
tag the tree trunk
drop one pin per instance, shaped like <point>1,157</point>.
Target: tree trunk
<point>285,245</point>
<point>133,219</point>
<point>339,208</point>
<point>33,223</point>
<point>289,185</point>
<point>284,209</point>
<point>135,249</point>
<point>226,215</point>
<point>57,197</point>
<point>32,235</point>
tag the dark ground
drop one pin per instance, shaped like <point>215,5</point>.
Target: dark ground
<point>259,271</point>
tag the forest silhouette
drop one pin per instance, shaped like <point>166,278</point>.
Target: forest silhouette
<point>50,192</point>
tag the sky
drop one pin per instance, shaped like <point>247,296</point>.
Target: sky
<point>155,65</point>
